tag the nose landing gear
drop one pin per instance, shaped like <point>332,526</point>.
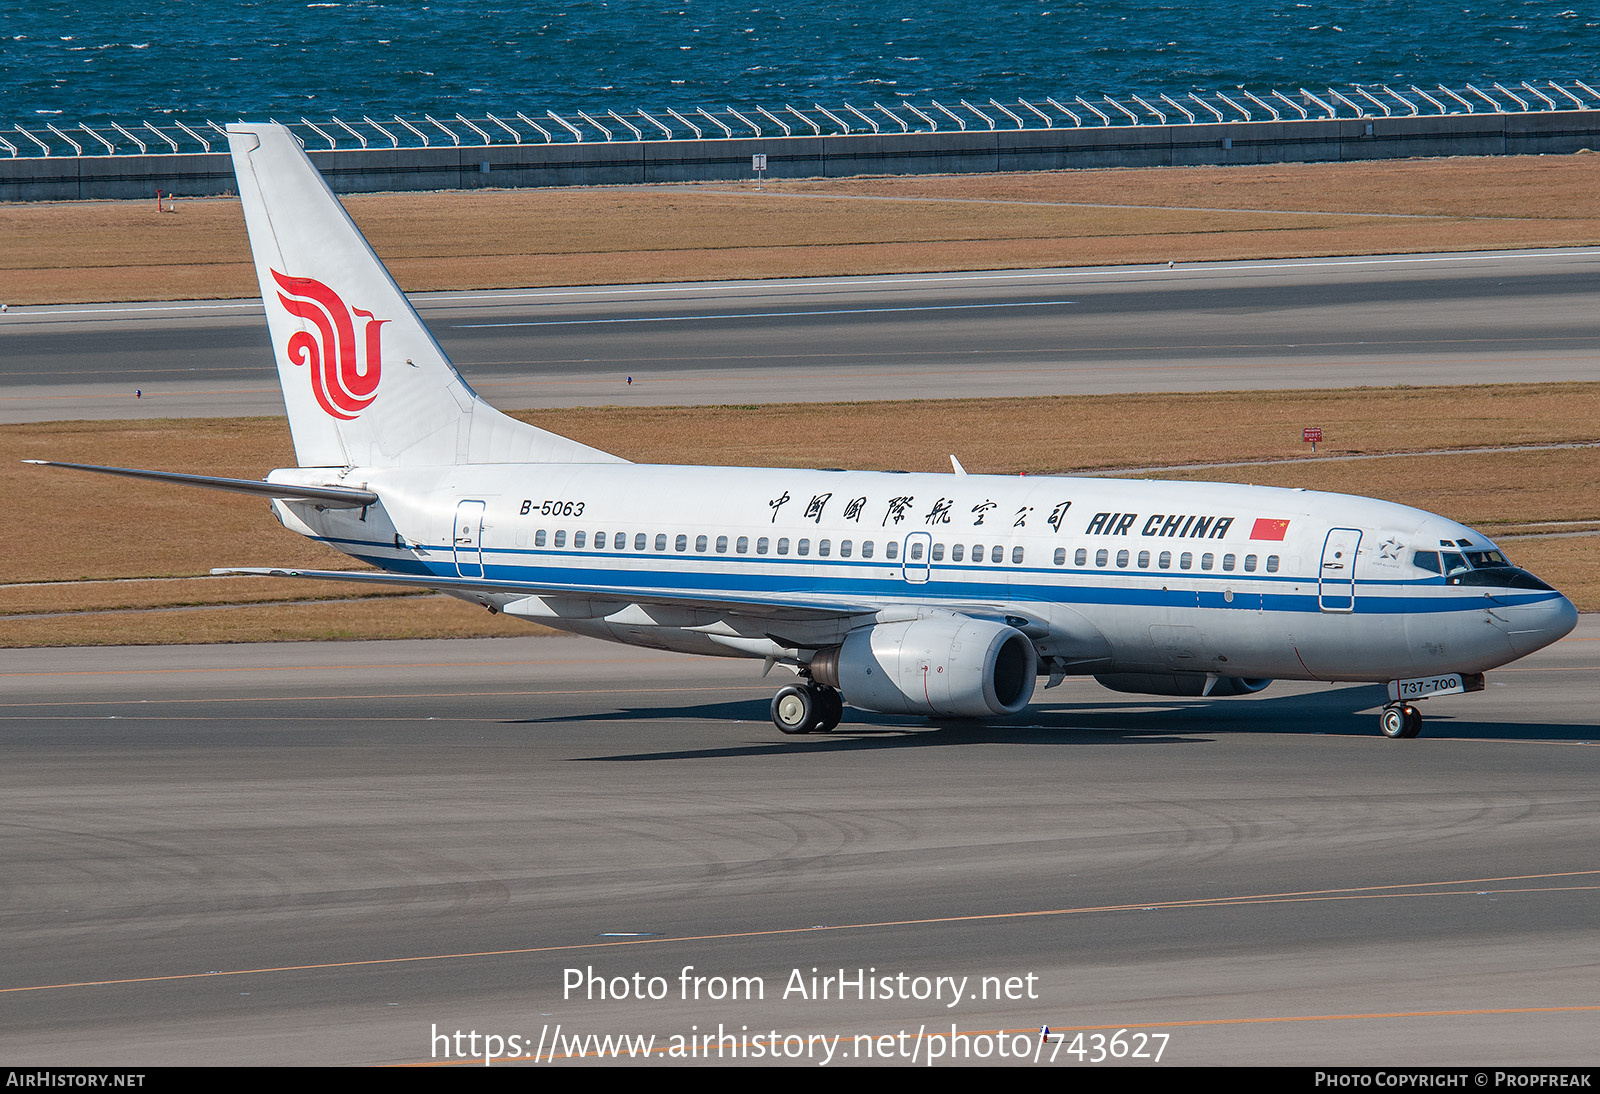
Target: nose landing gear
<point>1400,721</point>
<point>807,708</point>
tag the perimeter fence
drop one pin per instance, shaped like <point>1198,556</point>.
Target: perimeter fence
<point>187,157</point>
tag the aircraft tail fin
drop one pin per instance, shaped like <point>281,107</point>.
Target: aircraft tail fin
<point>365,383</point>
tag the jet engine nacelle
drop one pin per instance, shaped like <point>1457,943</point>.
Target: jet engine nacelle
<point>1192,684</point>
<point>959,667</point>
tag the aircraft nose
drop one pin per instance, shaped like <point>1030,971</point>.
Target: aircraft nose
<point>1531,627</point>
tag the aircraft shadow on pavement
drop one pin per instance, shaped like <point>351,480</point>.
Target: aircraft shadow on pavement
<point>1340,711</point>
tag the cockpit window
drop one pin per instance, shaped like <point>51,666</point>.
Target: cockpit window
<point>1451,563</point>
<point>1476,566</point>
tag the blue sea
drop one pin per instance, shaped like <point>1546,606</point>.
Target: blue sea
<point>89,61</point>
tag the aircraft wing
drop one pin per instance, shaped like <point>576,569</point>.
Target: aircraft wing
<point>604,599</point>
<point>331,497</point>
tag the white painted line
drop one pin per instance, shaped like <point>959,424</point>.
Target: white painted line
<point>1185,269</point>
<point>73,309</point>
<point>429,300</point>
<point>759,315</point>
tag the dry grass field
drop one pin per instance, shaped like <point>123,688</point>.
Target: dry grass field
<point>72,577</point>
<point>93,251</point>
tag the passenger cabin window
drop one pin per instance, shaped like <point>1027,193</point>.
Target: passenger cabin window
<point>1165,561</point>
<point>866,548</point>
<point>915,551</point>
<point>681,543</point>
<point>1144,560</point>
<point>958,552</point>
<point>1272,564</point>
<point>1122,559</point>
<point>661,541</point>
<point>1080,557</point>
<point>1016,556</point>
<point>844,548</point>
<point>1207,560</point>
<point>977,553</point>
<point>803,547</point>
<point>998,554</point>
<point>761,545</point>
<point>1061,556</point>
<point>700,543</point>
<point>742,546</point>
<point>824,548</point>
<point>1100,557</point>
<point>538,538</point>
<point>1227,562</point>
<point>1249,564</point>
<point>938,552</point>
<point>891,550</point>
<point>783,545</point>
<point>599,541</point>
<point>561,537</point>
<point>639,541</point>
<point>1185,561</point>
<point>722,545</point>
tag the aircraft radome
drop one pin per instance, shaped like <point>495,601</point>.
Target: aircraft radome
<point>925,594</point>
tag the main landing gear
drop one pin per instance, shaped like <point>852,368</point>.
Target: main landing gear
<point>1400,721</point>
<point>807,708</point>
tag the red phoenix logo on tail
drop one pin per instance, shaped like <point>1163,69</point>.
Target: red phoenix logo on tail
<point>344,382</point>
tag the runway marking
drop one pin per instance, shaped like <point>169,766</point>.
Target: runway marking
<point>443,299</point>
<point>1195,369</point>
<point>148,396</point>
<point>824,196</point>
<point>25,313</point>
<point>1121,272</point>
<point>1362,892</point>
<point>592,379</point>
<point>759,315</point>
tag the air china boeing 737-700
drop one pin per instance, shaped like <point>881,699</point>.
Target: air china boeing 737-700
<point>925,594</point>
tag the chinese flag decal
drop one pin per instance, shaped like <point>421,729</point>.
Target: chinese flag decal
<point>1266,528</point>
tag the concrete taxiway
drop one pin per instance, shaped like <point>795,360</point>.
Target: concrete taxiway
<point>1334,322</point>
<point>333,853</point>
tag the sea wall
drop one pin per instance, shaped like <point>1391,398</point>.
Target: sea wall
<point>631,162</point>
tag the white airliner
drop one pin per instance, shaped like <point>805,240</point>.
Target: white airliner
<point>924,594</point>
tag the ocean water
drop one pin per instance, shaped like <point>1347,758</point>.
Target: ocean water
<point>94,60</point>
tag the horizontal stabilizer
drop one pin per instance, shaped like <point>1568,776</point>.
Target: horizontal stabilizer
<point>334,497</point>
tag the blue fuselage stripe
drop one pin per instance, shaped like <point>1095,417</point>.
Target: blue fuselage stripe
<point>832,581</point>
